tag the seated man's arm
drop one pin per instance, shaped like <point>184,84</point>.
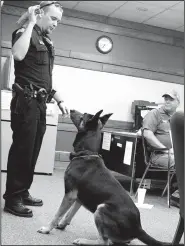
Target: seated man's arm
<point>152,140</point>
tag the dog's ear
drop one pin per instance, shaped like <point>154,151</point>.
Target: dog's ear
<point>96,116</point>
<point>93,120</point>
<point>105,118</point>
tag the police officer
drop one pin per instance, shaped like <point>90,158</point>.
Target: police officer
<point>33,54</point>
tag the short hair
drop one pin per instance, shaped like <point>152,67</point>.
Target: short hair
<point>23,20</point>
<point>45,5</point>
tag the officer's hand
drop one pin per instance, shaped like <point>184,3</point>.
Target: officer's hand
<point>64,109</point>
<point>35,13</point>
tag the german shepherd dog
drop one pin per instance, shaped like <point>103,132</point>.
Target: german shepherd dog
<point>89,183</point>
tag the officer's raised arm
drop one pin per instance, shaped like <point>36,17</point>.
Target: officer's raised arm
<point>21,46</point>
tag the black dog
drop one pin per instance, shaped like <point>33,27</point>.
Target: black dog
<point>89,183</point>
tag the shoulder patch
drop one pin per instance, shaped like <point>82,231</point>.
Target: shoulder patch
<point>20,30</point>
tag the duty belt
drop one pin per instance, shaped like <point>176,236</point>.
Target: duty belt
<point>28,91</point>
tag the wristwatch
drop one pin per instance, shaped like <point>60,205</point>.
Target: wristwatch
<point>58,103</point>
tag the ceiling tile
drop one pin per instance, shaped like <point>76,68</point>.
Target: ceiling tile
<point>166,14</point>
<point>68,4</point>
<point>167,18</point>
<point>161,4</point>
<point>136,10</point>
<point>99,7</point>
<point>179,7</point>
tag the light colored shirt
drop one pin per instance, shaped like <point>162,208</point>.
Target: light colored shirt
<point>158,121</point>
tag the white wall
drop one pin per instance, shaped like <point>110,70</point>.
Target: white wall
<point>89,91</point>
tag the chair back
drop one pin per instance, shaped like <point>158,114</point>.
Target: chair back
<point>177,132</point>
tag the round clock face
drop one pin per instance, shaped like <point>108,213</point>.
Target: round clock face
<point>104,44</point>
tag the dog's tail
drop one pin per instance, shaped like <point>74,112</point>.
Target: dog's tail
<point>147,239</point>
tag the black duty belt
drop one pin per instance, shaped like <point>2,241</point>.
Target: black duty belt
<point>28,91</point>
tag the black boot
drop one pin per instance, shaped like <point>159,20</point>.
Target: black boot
<point>31,201</point>
<point>15,206</point>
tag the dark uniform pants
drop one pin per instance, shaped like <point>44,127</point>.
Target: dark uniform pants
<point>28,123</point>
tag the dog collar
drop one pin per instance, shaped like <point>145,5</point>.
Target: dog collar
<point>83,156</point>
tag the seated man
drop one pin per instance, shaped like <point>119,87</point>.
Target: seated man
<point>157,131</point>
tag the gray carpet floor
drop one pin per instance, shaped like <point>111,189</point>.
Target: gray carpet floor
<point>160,221</point>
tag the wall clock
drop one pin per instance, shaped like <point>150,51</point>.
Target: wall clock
<point>104,44</point>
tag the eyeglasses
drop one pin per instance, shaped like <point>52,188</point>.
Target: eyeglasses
<point>48,3</point>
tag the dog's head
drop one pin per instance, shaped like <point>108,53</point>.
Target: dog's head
<point>89,130</point>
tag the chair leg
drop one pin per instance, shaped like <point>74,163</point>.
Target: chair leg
<point>164,191</point>
<point>168,190</point>
<point>131,185</point>
<point>179,232</point>
<point>146,170</point>
<point>168,187</point>
<point>132,179</point>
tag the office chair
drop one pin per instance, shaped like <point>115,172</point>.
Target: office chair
<point>177,132</point>
<point>148,150</point>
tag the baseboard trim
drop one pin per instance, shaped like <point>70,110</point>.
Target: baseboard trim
<point>61,159</point>
<point>62,156</point>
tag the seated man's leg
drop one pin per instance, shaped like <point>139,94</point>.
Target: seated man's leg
<point>161,160</point>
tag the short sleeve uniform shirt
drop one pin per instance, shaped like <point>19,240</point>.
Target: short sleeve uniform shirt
<point>158,121</point>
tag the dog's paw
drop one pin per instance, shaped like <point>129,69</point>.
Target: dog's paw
<point>78,241</point>
<point>83,241</point>
<point>61,226</point>
<point>44,230</point>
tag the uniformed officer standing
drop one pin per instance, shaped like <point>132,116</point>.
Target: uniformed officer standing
<point>33,54</point>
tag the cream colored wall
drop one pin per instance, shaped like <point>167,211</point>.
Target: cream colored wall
<point>90,91</point>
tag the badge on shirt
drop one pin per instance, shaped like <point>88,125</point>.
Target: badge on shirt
<point>20,30</point>
<point>165,121</point>
<point>41,42</point>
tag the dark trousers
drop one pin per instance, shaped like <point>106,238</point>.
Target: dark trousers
<point>28,123</point>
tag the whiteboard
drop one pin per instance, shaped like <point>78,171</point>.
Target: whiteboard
<point>89,91</point>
